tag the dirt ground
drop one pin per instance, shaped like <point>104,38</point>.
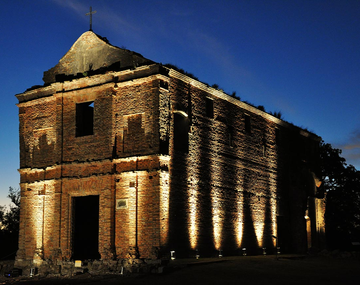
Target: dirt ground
<point>228,270</point>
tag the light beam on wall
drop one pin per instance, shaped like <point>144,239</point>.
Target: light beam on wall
<point>217,219</point>
<point>193,213</point>
<point>39,214</point>
<point>273,207</point>
<point>130,178</point>
<point>258,217</point>
<point>216,203</point>
<point>273,199</point>
<point>193,194</point>
<point>239,221</point>
<point>164,206</point>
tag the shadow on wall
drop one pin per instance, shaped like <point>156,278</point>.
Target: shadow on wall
<point>211,209</point>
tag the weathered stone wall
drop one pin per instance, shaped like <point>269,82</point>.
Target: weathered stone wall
<point>38,133</point>
<point>91,53</point>
<point>229,182</point>
<point>138,223</point>
<point>92,147</point>
<point>136,118</point>
<point>125,124</point>
<point>177,166</point>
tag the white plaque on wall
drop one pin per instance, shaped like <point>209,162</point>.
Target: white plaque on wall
<point>121,204</point>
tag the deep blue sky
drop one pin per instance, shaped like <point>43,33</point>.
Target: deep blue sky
<point>298,57</point>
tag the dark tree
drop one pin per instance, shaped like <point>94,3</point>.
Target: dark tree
<point>342,185</point>
<point>9,226</point>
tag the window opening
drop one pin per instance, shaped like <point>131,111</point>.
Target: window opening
<point>263,147</point>
<point>84,119</point>
<point>209,108</point>
<point>230,140</point>
<point>181,132</point>
<point>247,124</point>
<point>164,84</point>
<point>277,136</point>
<point>230,136</point>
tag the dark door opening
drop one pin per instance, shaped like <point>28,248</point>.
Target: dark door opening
<point>282,234</point>
<point>86,228</point>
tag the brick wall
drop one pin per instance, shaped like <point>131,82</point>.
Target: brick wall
<point>228,184</point>
<point>177,165</point>
<point>57,168</point>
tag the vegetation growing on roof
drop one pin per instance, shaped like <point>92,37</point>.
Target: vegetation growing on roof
<point>276,114</point>
<point>261,108</point>
<point>172,66</point>
<point>103,38</point>
<point>233,94</point>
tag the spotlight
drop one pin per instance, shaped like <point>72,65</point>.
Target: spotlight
<point>197,254</point>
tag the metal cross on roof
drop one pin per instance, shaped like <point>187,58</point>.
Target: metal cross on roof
<point>90,14</point>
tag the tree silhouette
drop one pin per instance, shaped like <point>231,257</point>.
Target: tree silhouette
<point>342,184</point>
<point>9,226</point>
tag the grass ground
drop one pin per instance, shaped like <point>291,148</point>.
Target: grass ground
<point>230,270</point>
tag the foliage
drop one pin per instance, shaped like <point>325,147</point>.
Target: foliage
<point>234,95</point>
<point>9,225</point>
<point>276,114</point>
<point>342,184</point>
<point>172,66</point>
<point>261,108</point>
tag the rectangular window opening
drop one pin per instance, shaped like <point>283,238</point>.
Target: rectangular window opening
<point>230,140</point>
<point>85,119</point>
<point>164,84</point>
<point>209,108</point>
<point>264,148</point>
<point>277,136</point>
<point>247,124</point>
<point>230,136</point>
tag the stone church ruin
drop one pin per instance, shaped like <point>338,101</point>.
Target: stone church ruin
<point>124,158</point>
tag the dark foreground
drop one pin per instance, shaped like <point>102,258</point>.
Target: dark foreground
<point>228,270</point>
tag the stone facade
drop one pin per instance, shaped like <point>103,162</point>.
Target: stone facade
<point>175,164</point>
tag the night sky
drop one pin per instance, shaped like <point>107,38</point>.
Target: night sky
<point>301,58</point>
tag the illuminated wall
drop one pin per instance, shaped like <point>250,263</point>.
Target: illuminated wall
<point>177,165</point>
<point>228,184</point>
<point>119,162</point>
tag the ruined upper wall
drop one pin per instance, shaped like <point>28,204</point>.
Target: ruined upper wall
<point>238,169</point>
<point>90,53</point>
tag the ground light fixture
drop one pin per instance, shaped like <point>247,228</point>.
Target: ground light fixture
<point>244,251</point>
<point>220,253</point>
<point>197,254</point>
<point>277,248</point>
<point>172,255</point>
